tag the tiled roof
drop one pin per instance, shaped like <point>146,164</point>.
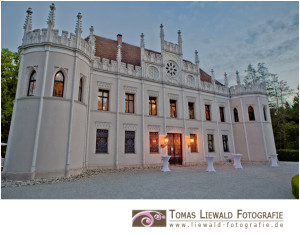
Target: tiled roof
<point>107,48</point>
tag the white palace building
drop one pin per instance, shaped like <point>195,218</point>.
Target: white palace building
<point>101,103</point>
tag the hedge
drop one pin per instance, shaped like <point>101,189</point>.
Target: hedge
<point>288,155</point>
<point>295,186</point>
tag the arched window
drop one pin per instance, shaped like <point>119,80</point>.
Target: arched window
<point>251,113</point>
<point>31,86</point>
<point>80,93</point>
<point>265,113</point>
<point>236,115</point>
<point>58,88</point>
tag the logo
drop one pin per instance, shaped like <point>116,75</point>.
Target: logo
<point>149,218</point>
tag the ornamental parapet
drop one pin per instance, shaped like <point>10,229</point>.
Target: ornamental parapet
<point>151,57</point>
<point>252,88</point>
<point>52,36</point>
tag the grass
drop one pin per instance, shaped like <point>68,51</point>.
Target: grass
<point>295,186</point>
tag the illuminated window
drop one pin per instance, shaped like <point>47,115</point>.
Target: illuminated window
<point>58,88</point>
<point>31,86</point>
<point>173,112</point>
<point>103,100</point>
<point>191,110</point>
<point>222,118</point>
<point>129,103</point>
<point>207,112</point>
<point>193,142</point>
<point>251,113</point>
<point>210,142</point>
<point>154,144</point>
<point>101,141</point>
<point>236,115</point>
<point>152,106</point>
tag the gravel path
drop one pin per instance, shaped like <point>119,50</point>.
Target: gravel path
<point>253,182</point>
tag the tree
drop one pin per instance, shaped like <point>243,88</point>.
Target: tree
<point>9,78</point>
<point>251,75</point>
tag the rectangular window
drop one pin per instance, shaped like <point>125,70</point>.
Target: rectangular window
<point>210,142</point>
<point>225,143</point>
<point>222,118</point>
<point>129,141</point>
<point>173,112</point>
<point>153,136</point>
<point>207,112</point>
<point>193,138</point>
<point>152,106</point>
<point>103,100</point>
<point>191,110</point>
<point>80,90</point>
<point>129,103</point>
<point>101,141</point>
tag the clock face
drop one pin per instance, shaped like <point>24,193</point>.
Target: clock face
<point>171,69</point>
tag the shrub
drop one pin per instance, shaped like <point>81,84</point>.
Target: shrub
<point>288,155</point>
<point>295,186</point>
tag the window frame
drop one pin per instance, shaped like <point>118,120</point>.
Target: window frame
<point>173,108</point>
<point>102,97</point>
<point>236,115</point>
<point>32,81</point>
<point>207,112</point>
<point>222,113</point>
<point>191,107</point>
<point>153,135</point>
<point>225,140</point>
<point>251,113</point>
<point>107,138</point>
<point>58,82</point>
<point>126,144</point>
<point>210,140</point>
<point>151,98</point>
<point>128,100</point>
<point>194,146</point>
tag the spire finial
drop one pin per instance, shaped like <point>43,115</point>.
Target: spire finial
<point>179,37</point>
<point>225,79</point>
<point>196,57</point>
<point>78,29</point>
<point>142,40</point>
<point>28,21</point>
<point>51,17</point>
<point>162,34</point>
<point>92,40</point>
<point>238,81</point>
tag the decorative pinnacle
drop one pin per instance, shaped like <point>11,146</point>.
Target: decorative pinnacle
<point>51,17</point>
<point>162,35</point>
<point>92,40</point>
<point>225,79</point>
<point>28,20</point>
<point>196,57</point>
<point>238,78</point>
<point>212,76</point>
<point>179,37</point>
<point>142,40</point>
<point>119,53</point>
<point>78,29</point>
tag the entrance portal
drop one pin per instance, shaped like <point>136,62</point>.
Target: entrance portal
<point>175,148</point>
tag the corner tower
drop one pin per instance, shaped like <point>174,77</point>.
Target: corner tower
<point>51,102</point>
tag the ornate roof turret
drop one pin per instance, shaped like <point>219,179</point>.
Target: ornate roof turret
<point>51,17</point>
<point>78,29</point>
<point>28,21</point>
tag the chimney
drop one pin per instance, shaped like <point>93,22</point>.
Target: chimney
<point>119,39</point>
